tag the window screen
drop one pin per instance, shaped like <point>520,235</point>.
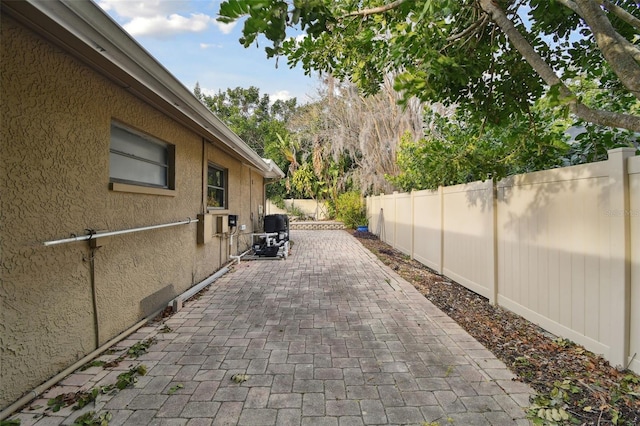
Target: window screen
<point>138,159</point>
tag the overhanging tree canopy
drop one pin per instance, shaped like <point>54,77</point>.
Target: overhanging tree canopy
<point>491,57</point>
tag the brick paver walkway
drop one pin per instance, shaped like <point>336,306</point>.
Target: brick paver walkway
<point>330,336</point>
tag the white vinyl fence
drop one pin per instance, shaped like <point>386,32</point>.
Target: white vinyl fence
<point>559,247</point>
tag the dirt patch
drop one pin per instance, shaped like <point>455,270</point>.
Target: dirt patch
<point>574,385</point>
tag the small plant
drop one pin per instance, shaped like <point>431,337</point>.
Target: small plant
<point>295,211</point>
<point>449,371</point>
<point>85,398</point>
<point>174,389</point>
<point>166,329</point>
<point>140,348</point>
<point>13,422</point>
<point>551,409</point>
<point>521,361</point>
<point>93,419</point>
<point>61,401</point>
<point>239,378</point>
<point>128,378</point>
<point>351,210</point>
<point>81,399</point>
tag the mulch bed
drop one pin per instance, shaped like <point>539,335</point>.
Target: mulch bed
<point>569,379</point>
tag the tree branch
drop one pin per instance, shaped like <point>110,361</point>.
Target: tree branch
<point>375,10</point>
<point>470,29</point>
<point>571,5</point>
<point>605,118</point>
<point>630,48</point>
<point>621,13</point>
<point>623,64</point>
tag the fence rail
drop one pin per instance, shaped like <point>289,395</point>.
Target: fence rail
<point>559,247</point>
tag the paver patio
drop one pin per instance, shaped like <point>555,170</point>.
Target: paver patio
<point>330,336</point>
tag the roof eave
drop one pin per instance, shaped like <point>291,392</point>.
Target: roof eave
<point>84,30</point>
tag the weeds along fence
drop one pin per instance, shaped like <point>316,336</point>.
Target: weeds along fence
<point>559,247</point>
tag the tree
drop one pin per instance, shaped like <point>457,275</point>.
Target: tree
<point>361,133</point>
<point>261,124</point>
<point>457,150</point>
<point>492,58</point>
<point>245,111</point>
<point>318,174</point>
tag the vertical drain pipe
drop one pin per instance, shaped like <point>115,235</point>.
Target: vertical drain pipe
<point>96,318</point>
<point>94,294</point>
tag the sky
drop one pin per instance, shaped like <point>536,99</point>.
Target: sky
<point>184,36</point>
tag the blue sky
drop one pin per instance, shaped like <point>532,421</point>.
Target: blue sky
<point>184,36</point>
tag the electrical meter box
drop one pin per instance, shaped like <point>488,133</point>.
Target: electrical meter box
<point>233,220</point>
<point>205,228</point>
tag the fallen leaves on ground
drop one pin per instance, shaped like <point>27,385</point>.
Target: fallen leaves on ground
<point>568,378</point>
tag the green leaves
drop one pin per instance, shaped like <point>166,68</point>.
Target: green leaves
<point>91,418</point>
<point>176,388</point>
<point>231,10</point>
<point>445,51</point>
<point>551,409</point>
<point>351,209</point>
<point>140,348</point>
<point>460,149</point>
<point>240,378</point>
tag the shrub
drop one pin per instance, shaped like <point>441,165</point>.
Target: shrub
<point>351,210</point>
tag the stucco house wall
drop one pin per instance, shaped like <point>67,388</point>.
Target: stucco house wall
<point>54,181</point>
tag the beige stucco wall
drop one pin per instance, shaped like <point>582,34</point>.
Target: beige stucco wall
<point>54,175</point>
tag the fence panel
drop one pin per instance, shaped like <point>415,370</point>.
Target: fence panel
<point>404,224</point>
<point>373,212</point>
<point>468,232</point>
<point>553,251</point>
<point>634,218</point>
<point>388,219</point>
<point>560,247</point>
<point>427,231</point>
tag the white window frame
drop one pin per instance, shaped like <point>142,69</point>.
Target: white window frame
<point>224,188</point>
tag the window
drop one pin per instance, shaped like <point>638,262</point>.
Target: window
<point>139,159</point>
<point>216,187</point>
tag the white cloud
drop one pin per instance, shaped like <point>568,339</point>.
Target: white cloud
<point>281,95</point>
<point>225,28</point>
<point>210,46</point>
<point>166,26</point>
<point>162,18</point>
<point>144,9</point>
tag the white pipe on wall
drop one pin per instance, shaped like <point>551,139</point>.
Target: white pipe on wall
<point>111,233</point>
<point>238,257</point>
